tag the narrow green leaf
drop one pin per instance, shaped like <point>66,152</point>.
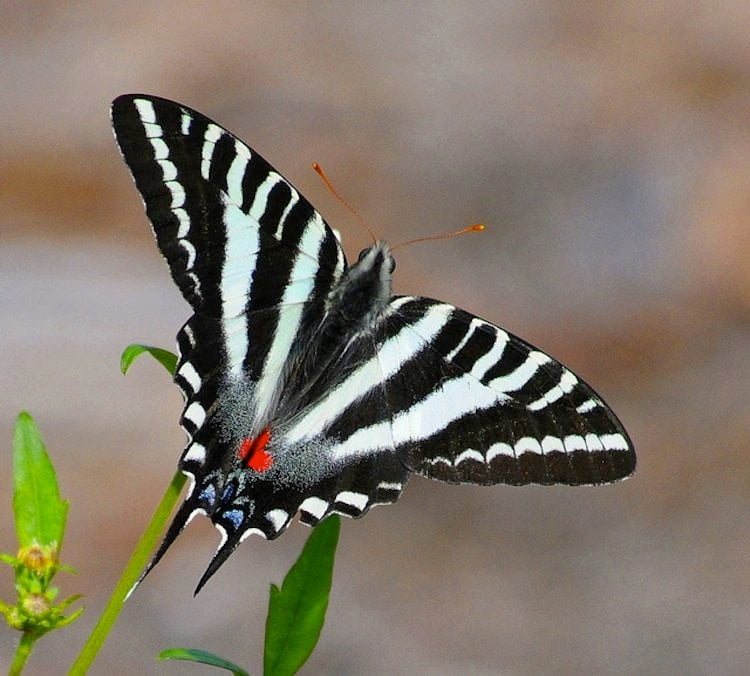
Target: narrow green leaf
<point>297,611</point>
<point>39,512</point>
<point>201,657</point>
<point>166,358</point>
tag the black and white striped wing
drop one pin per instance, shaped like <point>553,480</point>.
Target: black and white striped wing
<point>502,411</point>
<point>458,399</point>
<point>254,259</point>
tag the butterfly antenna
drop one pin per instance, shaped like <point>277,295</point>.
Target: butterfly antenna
<point>477,227</point>
<point>337,194</point>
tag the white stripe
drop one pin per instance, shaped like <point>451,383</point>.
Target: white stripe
<point>515,380</point>
<point>188,246</point>
<point>594,443</point>
<point>552,444</point>
<point>195,413</point>
<point>356,500</point>
<point>161,151</point>
<point>528,445</point>
<point>146,111</point>
<point>184,219</point>
<point>314,506</point>
<point>252,531</point>
<point>574,442</point>
<point>614,442</point>
<point>260,201</point>
<point>393,353</point>
<point>236,174</point>
<point>185,122</point>
<point>152,130</point>
<point>242,242</point>
<point>500,448</point>
<point>196,453</point>
<point>469,454</point>
<point>453,399</point>
<point>567,382</point>
<point>287,327</point>
<point>188,372</point>
<point>389,486</point>
<point>168,170</point>
<point>472,327</point>
<point>235,342</point>
<point>212,135</point>
<point>293,199</point>
<point>587,406</point>
<point>492,357</point>
<point>277,518</point>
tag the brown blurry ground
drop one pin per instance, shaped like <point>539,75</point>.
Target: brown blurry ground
<point>606,145</point>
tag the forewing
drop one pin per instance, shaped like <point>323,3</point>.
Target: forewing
<point>253,258</point>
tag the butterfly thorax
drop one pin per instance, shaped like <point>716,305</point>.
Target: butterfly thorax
<point>354,306</point>
<point>364,290</point>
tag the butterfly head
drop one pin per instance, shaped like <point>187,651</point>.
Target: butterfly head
<point>365,289</point>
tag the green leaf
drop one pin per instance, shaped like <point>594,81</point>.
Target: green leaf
<point>297,611</point>
<point>201,657</point>
<point>166,358</point>
<point>39,512</point>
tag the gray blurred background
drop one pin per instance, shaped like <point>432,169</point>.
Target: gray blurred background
<point>607,147</point>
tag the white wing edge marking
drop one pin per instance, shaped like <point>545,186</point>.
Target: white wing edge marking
<point>190,249</point>
<point>499,448</point>
<point>195,413</point>
<point>252,531</point>
<point>224,537</point>
<point>185,122</point>
<point>314,506</point>
<point>190,375</point>
<point>469,454</point>
<point>390,486</point>
<point>196,453</point>
<point>277,518</point>
<point>356,500</point>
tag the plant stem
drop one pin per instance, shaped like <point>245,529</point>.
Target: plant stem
<point>22,653</point>
<point>136,564</point>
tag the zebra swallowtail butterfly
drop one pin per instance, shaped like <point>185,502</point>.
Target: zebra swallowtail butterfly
<point>309,388</point>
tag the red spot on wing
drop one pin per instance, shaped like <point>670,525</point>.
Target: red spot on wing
<point>253,452</point>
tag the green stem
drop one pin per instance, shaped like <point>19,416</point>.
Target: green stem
<point>22,653</point>
<point>137,563</point>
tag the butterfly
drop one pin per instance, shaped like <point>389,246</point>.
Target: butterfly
<point>309,387</point>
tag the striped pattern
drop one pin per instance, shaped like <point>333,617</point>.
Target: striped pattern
<point>351,389</point>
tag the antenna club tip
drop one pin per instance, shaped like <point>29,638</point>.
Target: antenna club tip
<point>477,227</point>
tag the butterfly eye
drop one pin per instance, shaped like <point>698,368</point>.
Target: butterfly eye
<point>362,254</point>
<point>391,264</point>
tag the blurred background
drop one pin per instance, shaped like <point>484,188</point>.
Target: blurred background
<point>607,147</point>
